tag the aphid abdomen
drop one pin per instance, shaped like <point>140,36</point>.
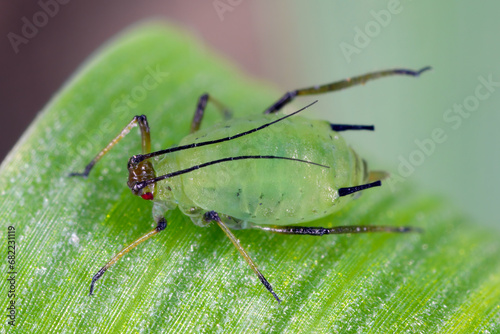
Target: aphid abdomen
<point>291,172</point>
<point>268,191</point>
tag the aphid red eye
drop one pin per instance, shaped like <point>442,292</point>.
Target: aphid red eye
<point>147,196</point>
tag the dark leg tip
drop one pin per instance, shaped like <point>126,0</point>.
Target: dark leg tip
<point>94,279</point>
<point>427,68</point>
<point>85,172</point>
<point>277,298</point>
<point>84,175</point>
<point>417,230</point>
<point>412,73</point>
<point>410,229</point>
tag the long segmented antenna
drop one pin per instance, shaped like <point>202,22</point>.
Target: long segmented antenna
<point>138,158</point>
<point>140,185</point>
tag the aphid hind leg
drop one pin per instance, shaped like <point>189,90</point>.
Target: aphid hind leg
<point>334,86</point>
<point>161,225</point>
<point>200,111</point>
<point>213,216</point>
<point>319,231</point>
<point>145,139</point>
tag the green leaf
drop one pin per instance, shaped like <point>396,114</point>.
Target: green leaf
<point>192,279</point>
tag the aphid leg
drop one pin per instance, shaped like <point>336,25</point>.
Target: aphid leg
<point>330,87</point>
<point>213,216</point>
<point>340,229</point>
<point>145,136</point>
<point>200,111</point>
<point>319,231</point>
<point>162,224</point>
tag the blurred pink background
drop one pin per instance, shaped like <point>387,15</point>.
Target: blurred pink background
<point>32,75</point>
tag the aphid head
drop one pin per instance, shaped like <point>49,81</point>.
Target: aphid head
<point>140,172</point>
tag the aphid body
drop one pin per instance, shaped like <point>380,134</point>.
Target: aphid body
<point>253,171</point>
<point>262,191</point>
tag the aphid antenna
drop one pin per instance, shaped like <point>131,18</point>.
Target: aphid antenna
<point>141,185</point>
<point>141,157</point>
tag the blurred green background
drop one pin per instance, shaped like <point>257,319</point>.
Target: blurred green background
<point>297,43</point>
<point>457,38</point>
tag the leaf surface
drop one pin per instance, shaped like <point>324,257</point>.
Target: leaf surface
<point>192,279</point>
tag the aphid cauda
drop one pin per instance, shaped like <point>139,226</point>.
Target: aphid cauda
<point>248,172</point>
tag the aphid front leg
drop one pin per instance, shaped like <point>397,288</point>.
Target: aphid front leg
<point>334,86</point>
<point>145,136</point>
<point>213,216</point>
<point>200,111</point>
<point>161,225</point>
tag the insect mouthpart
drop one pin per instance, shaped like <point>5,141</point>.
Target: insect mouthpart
<point>147,196</point>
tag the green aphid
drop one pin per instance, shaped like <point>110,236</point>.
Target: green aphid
<point>249,172</point>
